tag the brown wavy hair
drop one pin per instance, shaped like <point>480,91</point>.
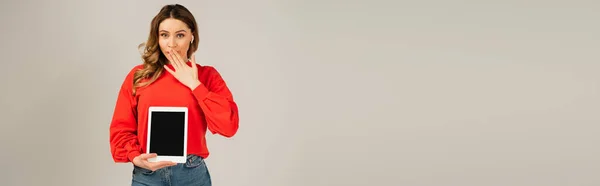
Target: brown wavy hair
<point>152,56</point>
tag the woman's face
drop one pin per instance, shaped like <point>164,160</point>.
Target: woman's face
<point>174,35</point>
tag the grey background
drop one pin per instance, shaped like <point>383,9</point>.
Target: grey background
<point>418,93</point>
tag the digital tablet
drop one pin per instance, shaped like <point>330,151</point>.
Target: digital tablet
<point>167,133</point>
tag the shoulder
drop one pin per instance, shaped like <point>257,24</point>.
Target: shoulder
<point>130,74</point>
<point>204,67</point>
<point>136,68</point>
<point>209,74</point>
<point>206,70</point>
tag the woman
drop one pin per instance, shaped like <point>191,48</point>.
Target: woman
<point>170,76</point>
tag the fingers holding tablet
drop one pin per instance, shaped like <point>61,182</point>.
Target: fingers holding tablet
<point>142,161</point>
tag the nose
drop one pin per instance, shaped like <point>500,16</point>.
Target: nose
<point>172,43</point>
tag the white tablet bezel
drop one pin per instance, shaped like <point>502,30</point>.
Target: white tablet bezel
<point>176,159</point>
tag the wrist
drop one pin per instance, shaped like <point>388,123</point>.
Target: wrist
<point>195,85</point>
<point>133,154</point>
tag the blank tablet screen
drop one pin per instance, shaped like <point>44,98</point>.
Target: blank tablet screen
<point>167,133</point>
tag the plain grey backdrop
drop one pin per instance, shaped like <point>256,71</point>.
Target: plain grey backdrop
<point>419,93</point>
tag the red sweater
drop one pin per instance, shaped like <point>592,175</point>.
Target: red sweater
<point>211,106</point>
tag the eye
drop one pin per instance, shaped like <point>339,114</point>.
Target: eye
<point>163,35</point>
<point>180,35</point>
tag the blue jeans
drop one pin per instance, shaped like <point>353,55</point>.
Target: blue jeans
<point>193,172</point>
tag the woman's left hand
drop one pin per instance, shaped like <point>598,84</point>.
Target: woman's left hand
<point>184,73</point>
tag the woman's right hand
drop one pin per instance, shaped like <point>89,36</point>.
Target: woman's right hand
<point>142,161</point>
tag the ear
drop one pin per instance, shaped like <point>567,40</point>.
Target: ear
<point>192,39</point>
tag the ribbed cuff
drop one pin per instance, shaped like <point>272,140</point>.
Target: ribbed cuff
<point>200,92</point>
<point>133,154</point>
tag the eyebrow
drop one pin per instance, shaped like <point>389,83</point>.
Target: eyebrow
<point>168,31</point>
